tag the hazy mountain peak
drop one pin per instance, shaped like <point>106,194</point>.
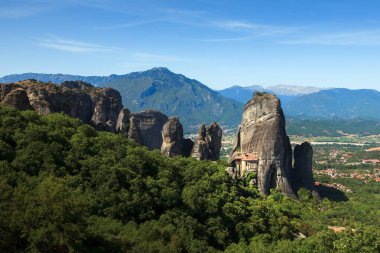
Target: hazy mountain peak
<point>255,88</point>
<point>293,90</point>
<point>164,69</point>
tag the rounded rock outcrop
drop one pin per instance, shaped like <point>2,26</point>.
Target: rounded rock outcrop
<point>99,107</point>
<point>172,136</point>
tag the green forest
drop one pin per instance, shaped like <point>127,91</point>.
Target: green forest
<point>65,187</point>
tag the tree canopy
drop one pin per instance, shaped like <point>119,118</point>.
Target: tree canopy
<point>65,187</point>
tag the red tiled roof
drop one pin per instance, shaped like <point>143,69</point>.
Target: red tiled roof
<point>247,157</point>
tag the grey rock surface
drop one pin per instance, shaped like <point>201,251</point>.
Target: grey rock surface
<point>172,136</point>
<point>214,141</point>
<point>122,124</point>
<point>208,143</point>
<point>145,128</point>
<point>99,107</point>
<point>262,133</point>
<point>303,168</point>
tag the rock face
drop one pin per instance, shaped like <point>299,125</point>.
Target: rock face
<point>172,136</point>
<point>214,141</point>
<point>145,128</point>
<point>103,109</point>
<point>262,134</point>
<point>188,145</point>
<point>17,98</point>
<point>122,124</point>
<point>107,106</point>
<point>208,143</point>
<point>303,174</point>
<point>200,150</point>
<point>99,107</point>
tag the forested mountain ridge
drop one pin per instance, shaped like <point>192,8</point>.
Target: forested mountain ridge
<point>159,89</point>
<point>174,94</point>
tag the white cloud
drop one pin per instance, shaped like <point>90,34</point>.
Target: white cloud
<point>131,24</point>
<point>234,25</point>
<point>147,57</point>
<point>248,31</point>
<point>355,38</point>
<point>231,39</point>
<point>72,45</point>
<point>183,12</point>
<point>260,29</point>
<point>20,11</point>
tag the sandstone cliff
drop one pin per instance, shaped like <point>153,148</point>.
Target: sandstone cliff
<point>102,108</point>
<point>262,135</point>
<point>214,141</point>
<point>122,124</point>
<point>172,135</point>
<point>208,143</point>
<point>200,150</point>
<point>145,128</point>
<point>303,164</point>
<point>99,107</point>
<point>173,142</point>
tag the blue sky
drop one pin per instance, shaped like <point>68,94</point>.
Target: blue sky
<point>328,43</point>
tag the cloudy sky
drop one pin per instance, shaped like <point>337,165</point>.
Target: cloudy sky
<point>329,43</point>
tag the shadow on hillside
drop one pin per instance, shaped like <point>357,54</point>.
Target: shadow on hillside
<point>332,193</point>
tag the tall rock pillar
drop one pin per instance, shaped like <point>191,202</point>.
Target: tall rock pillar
<point>262,134</point>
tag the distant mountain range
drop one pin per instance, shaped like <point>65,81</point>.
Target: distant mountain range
<point>336,103</point>
<point>316,103</point>
<point>195,103</point>
<point>284,92</point>
<point>160,89</point>
<point>97,81</point>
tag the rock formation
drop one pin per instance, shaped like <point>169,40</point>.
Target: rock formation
<point>303,164</point>
<point>172,136</point>
<point>188,145</point>
<point>122,124</point>
<point>107,106</point>
<point>200,150</point>
<point>214,141</point>
<point>262,134</point>
<point>103,109</point>
<point>17,98</point>
<point>208,143</point>
<point>145,128</point>
<point>99,107</point>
